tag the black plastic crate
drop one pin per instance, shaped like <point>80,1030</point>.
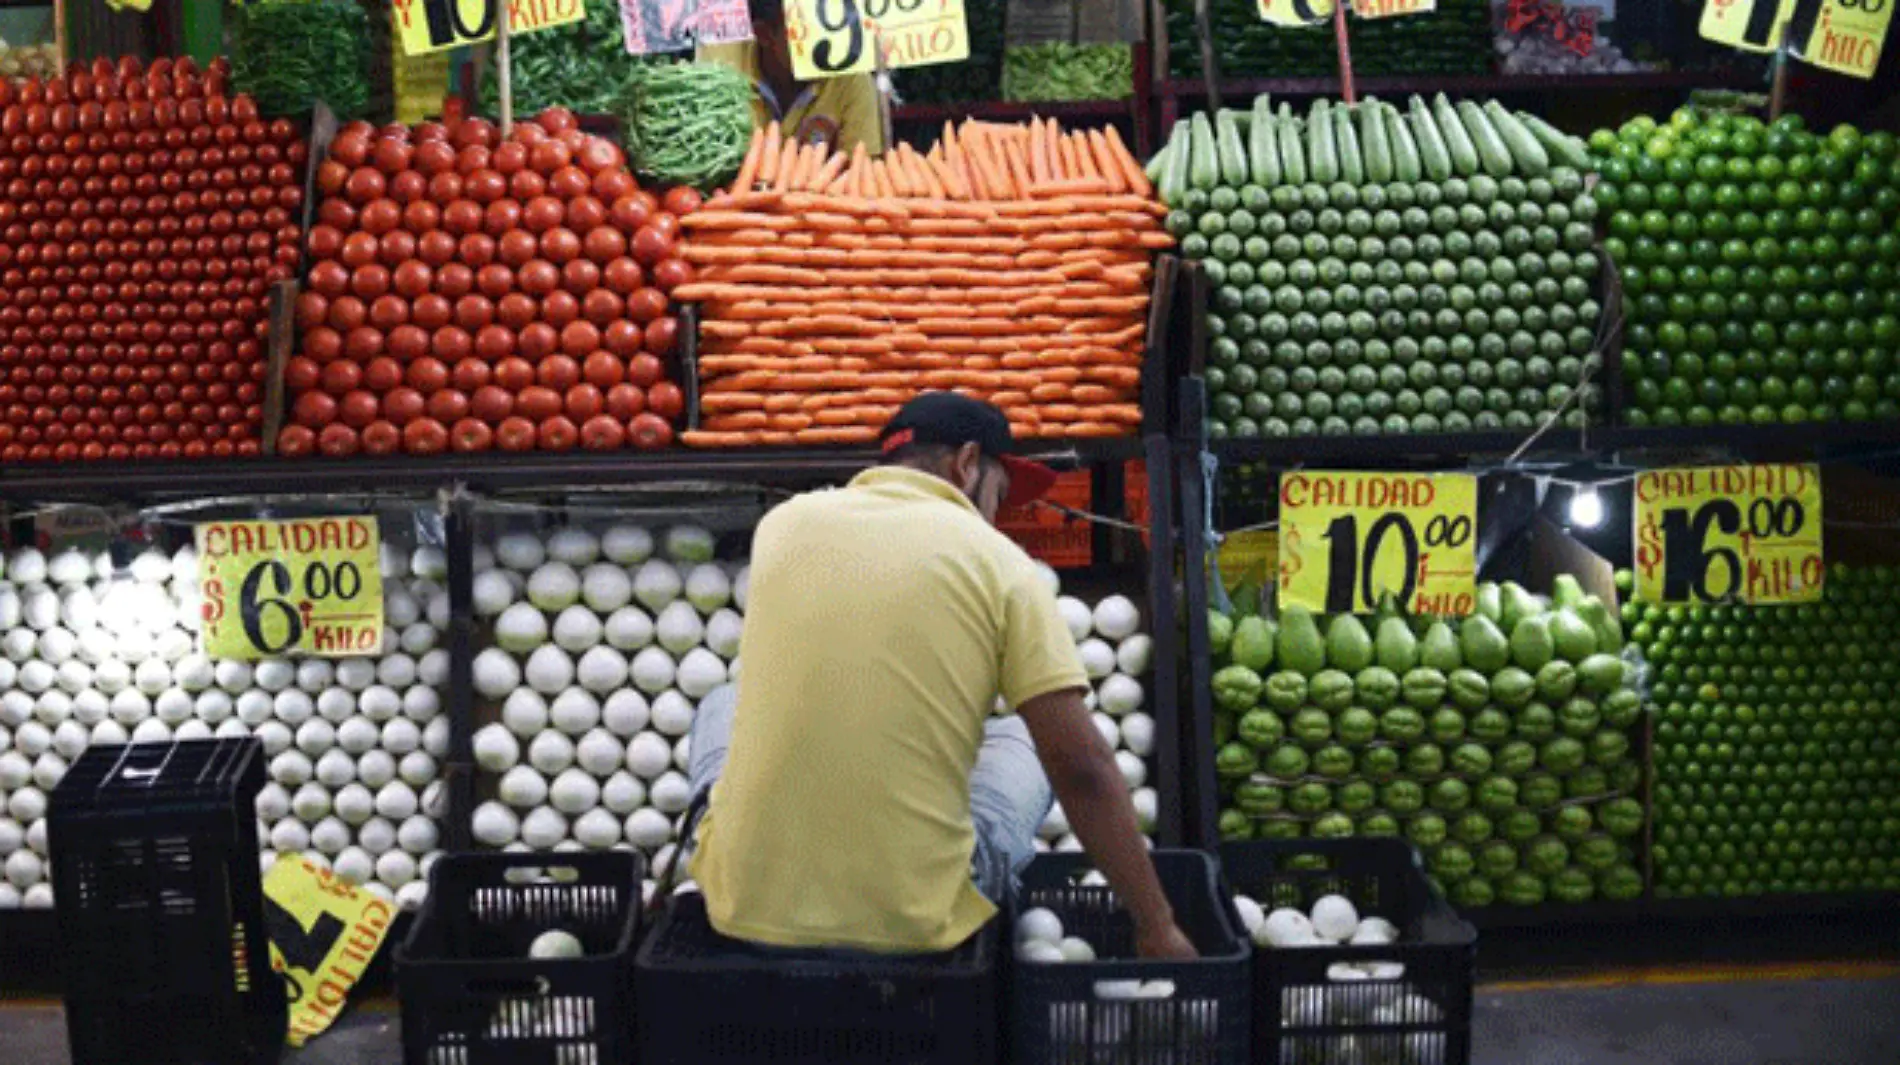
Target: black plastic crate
<point>1302,1014</point>
<point>723,1000</point>
<point>160,906</point>
<point>470,993</point>
<point>1080,1013</point>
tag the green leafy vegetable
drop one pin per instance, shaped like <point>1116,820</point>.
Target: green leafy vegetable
<point>289,54</point>
<point>689,123</point>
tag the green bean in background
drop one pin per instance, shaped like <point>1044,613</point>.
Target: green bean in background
<point>582,66</point>
<point>288,54</point>
<point>1040,73</point>
<point>688,123</point>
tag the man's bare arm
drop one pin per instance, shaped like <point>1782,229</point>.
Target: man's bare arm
<point>1094,797</point>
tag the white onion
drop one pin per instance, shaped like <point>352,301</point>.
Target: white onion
<point>525,713</point>
<point>625,712</point>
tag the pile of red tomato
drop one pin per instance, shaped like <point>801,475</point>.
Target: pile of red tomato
<point>471,291</point>
<point>144,216</point>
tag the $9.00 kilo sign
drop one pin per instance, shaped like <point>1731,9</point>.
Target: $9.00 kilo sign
<point>1348,540</point>
<point>309,586</point>
<point>1749,534</point>
<point>831,38</point>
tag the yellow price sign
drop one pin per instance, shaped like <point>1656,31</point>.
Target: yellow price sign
<point>1252,554</point>
<point>434,25</point>
<point>1746,25</point>
<point>309,586</point>
<point>324,932</point>
<point>1347,540</point>
<point>831,38</point>
<point>1749,534</point>
<point>1846,36</point>
<point>1294,12</point>
<point>1393,8</point>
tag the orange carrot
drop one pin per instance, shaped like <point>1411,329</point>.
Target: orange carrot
<point>1131,168</point>
<point>769,157</point>
<point>1106,163</point>
<point>1038,163</point>
<point>787,163</point>
<point>750,168</point>
<point>827,172</point>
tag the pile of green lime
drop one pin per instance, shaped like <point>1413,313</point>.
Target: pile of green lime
<point>1502,744</point>
<point>1760,266</point>
<point>1775,735</point>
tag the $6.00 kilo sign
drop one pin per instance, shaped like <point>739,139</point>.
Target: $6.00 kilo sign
<point>308,586</point>
<point>1348,540</point>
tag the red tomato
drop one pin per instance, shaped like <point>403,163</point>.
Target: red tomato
<point>433,157</point>
<point>602,307</point>
<point>428,375</point>
<point>602,370</point>
<point>644,370</point>
<point>623,275</point>
<point>393,156</point>
<point>495,280</point>
<point>396,248</point>
<point>610,185</point>
<point>649,432</point>
<point>669,274</point>
<point>516,310</point>
<point>494,343</point>
<point>538,277</point>
<point>538,402</point>
<point>472,373</point>
<point>630,212</point>
<point>407,343</point>
<point>569,182</point>
<point>646,305</point>
<point>543,213</point>
<point>549,156</point>
<point>424,436</point>
<point>330,278</point>
<point>557,120</point>
<point>312,308</point>
<point>421,216</point>
<point>336,440</point>
<point>351,147</point>
<point>622,337</point>
<point>451,343</point>
<point>578,339</point>
<point>454,281</point>
<point>359,408</point>
<point>500,217</point>
<point>514,374</point>
<point>403,405</point>
<point>408,187</point>
<point>582,401</point>
<point>446,187</point>
<point>462,217</point>
<point>525,185</point>
<point>294,441</point>
<point>602,432</point>
<point>666,399</point>
<point>492,404</point>
<point>436,248</point>
<point>380,216</point>
<point>381,437</point>
<point>325,241</point>
<point>314,409</point>
<point>370,281</point>
<point>517,247</point>
<point>625,400</point>
<point>650,245</point>
<point>472,312</point>
<point>471,434</point>
<point>604,244</point>
<point>486,186</point>
<point>557,434</point>
<point>363,343</point>
<point>388,312</point>
<point>681,199</point>
<point>585,212</point>
<point>382,373</point>
<point>341,377</point>
<point>301,373</point>
<point>364,185</point>
<point>559,245</point>
<point>331,174</point>
<point>449,405</point>
<point>515,434</point>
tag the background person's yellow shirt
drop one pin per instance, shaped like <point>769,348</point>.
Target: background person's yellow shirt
<point>842,112</point>
<point>882,620</point>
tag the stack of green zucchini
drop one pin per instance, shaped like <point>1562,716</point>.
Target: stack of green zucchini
<point>1375,270</point>
<point>1454,39</point>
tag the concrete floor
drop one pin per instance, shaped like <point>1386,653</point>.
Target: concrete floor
<point>1843,1015</point>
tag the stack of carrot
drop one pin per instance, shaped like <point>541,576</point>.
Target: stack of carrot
<point>1011,262</point>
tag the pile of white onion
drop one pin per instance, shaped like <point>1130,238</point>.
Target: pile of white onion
<point>1117,655</point>
<point>602,645</point>
<point>90,653</point>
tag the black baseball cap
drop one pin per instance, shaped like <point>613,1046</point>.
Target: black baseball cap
<point>952,419</point>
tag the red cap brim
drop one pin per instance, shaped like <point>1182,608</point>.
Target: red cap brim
<point>1028,481</point>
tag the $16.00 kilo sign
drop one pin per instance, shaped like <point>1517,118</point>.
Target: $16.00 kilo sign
<point>1749,534</point>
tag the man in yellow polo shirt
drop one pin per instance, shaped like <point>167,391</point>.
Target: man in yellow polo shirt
<point>866,798</point>
<point>842,112</point>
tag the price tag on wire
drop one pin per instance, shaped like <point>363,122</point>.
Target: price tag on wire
<point>310,586</point>
<point>1348,540</point>
<point>1749,534</point>
<point>832,38</point>
<point>426,26</point>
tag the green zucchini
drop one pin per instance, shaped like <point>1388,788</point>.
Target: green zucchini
<point>1405,161</point>
<point>1562,147</point>
<point>1322,156</point>
<point>1433,155</point>
<point>1158,165</point>
<point>1352,163</point>
<point>1174,180</point>
<point>1492,154</point>
<point>1203,159</point>
<point>1263,149</point>
<point>1373,143</point>
<point>1292,153</point>
<point>1526,152</point>
<point>1464,154</point>
<point>1233,154</point>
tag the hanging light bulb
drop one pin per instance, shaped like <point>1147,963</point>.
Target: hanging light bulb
<point>1586,507</point>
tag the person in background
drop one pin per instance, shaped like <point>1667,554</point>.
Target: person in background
<point>841,112</point>
<point>862,793</point>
